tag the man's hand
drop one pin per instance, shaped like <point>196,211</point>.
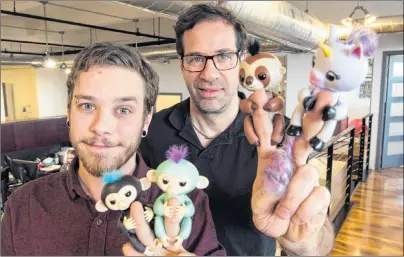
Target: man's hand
<point>288,204</point>
<point>146,236</point>
<point>299,215</point>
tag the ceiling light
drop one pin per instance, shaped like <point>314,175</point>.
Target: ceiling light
<point>49,62</point>
<point>63,66</point>
<point>368,17</point>
<point>347,21</point>
<point>68,70</point>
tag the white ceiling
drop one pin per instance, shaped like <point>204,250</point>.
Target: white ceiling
<point>326,11</point>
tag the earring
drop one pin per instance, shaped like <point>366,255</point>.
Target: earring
<point>144,133</point>
<point>68,123</point>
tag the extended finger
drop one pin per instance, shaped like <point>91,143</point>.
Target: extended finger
<point>300,187</point>
<point>143,230</point>
<point>128,250</point>
<point>172,225</point>
<point>317,203</point>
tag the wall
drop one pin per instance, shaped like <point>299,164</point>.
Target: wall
<point>3,116</point>
<point>51,92</point>
<point>357,107</point>
<point>171,80</point>
<point>297,76</point>
<point>387,42</point>
<point>24,85</point>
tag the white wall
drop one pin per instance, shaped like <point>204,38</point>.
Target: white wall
<point>171,80</point>
<point>3,115</point>
<point>297,76</point>
<point>51,92</point>
<point>387,42</point>
<point>357,107</point>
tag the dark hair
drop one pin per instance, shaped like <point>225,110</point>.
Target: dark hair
<point>115,55</point>
<point>208,12</point>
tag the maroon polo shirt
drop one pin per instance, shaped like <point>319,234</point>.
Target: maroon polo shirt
<point>54,216</point>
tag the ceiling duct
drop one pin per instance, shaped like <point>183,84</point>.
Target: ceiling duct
<point>387,24</point>
<point>170,52</point>
<point>271,20</point>
<point>277,21</point>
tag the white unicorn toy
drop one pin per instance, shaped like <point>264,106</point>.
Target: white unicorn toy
<point>337,67</point>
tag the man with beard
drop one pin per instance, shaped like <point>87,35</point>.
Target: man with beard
<point>210,44</point>
<point>111,93</point>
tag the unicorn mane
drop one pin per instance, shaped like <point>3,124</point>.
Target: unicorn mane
<point>367,37</point>
<point>177,152</point>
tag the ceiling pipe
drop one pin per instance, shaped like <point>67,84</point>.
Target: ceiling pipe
<point>70,52</point>
<point>271,20</point>
<point>170,52</point>
<point>22,53</point>
<point>278,21</point>
<point>387,24</point>
<point>30,16</point>
<point>38,43</point>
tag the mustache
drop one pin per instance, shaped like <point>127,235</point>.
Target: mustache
<point>97,141</point>
<point>202,82</point>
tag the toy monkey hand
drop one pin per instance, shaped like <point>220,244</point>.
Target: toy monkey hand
<point>179,211</point>
<point>148,214</point>
<point>168,211</point>
<point>308,103</point>
<point>146,236</point>
<point>275,104</point>
<point>129,223</point>
<point>247,106</point>
<point>329,113</point>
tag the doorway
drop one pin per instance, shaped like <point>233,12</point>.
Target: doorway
<point>392,117</point>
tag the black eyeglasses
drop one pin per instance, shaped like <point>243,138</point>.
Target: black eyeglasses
<point>222,62</point>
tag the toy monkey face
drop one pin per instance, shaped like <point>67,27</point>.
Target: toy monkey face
<point>176,179</point>
<point>262,71</point>
<point>118,196</point>
<point>122,199</point>
<point>175,185</point>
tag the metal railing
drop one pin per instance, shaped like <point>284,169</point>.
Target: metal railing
<point>339,148</point>
<point>363,169</point>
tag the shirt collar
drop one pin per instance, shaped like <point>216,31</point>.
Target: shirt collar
<point>180,118</point>
<point>73,183</point>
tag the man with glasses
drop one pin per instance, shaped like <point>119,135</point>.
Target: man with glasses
<point>210,43</point>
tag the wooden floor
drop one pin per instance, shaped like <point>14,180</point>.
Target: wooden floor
<point>374,225</point>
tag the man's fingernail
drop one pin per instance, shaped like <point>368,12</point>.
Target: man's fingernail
<point>283,213</point>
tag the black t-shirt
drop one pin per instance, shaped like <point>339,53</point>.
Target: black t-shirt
<point>230,164</point>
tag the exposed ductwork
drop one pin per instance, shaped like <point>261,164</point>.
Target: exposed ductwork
<point>387,24</point>
<point>170,52</point>
<point>287,28</point>
<point>271,20</point>
<point>36,17</point>
<point>278,21</point>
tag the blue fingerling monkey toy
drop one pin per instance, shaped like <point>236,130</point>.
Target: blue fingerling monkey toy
<point>176,177</point>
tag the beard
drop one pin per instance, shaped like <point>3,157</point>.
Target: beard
<point>212,105</point>
<point>97,163</point>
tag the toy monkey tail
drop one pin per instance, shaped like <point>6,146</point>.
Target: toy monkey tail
<point>253,46</point>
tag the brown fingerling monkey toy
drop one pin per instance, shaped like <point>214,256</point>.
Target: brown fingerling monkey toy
<point>262,71</point>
